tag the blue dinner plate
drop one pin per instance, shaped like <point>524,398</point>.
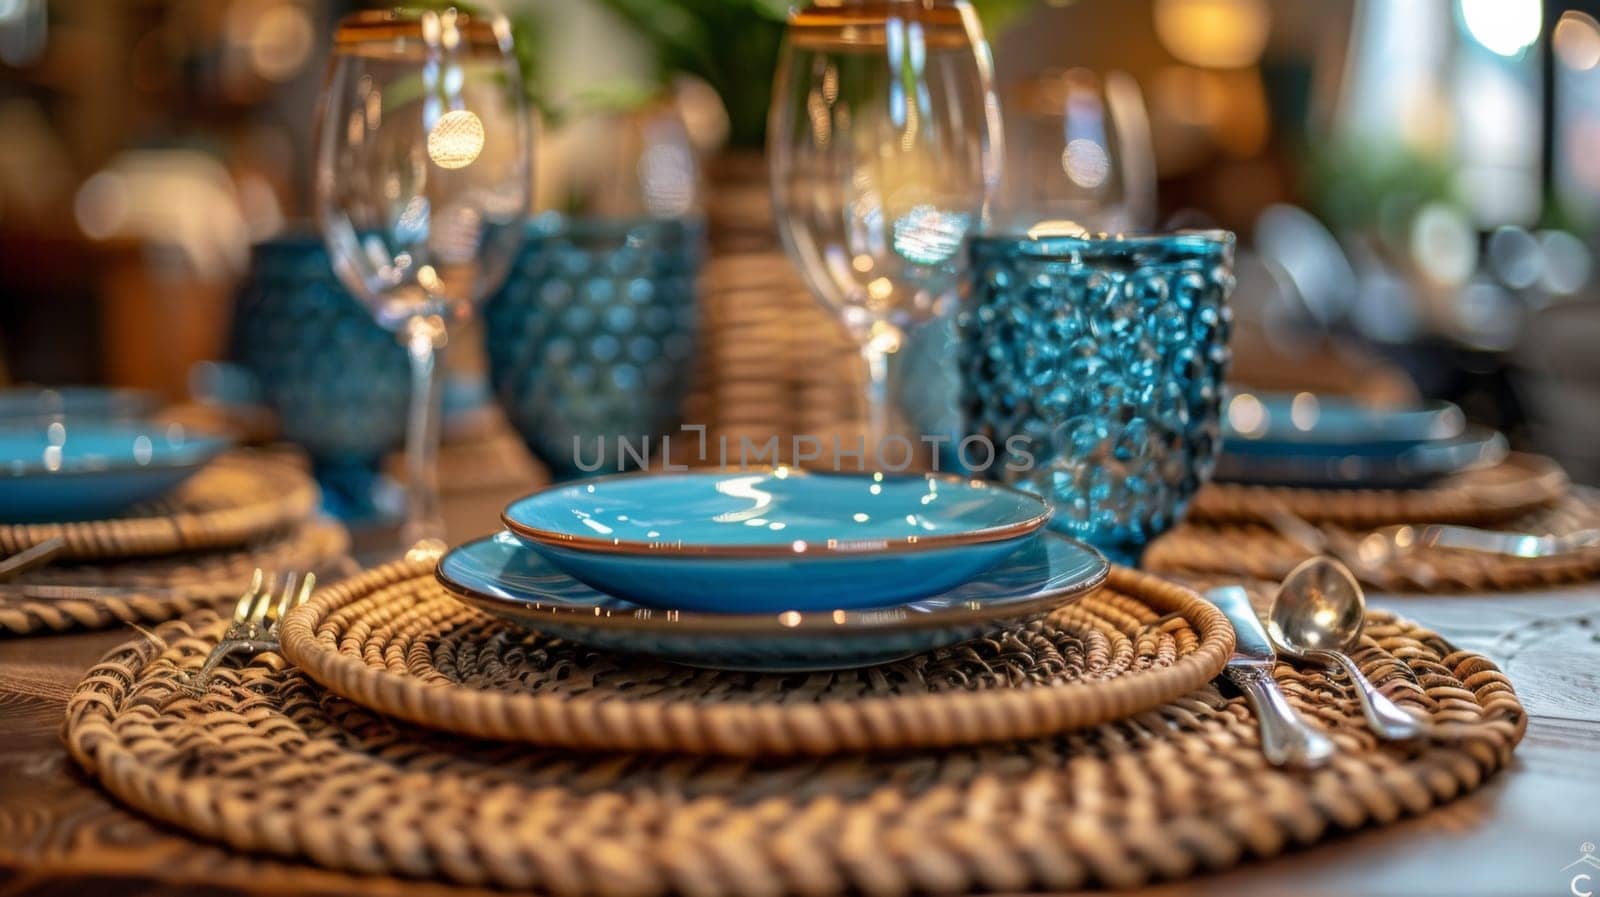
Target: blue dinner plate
<point>90,471</point>
<point>37,406</point>
<point>1377,465</point>
<point>1310,422</point>
<point>774,540</point>
<point>502,576</point>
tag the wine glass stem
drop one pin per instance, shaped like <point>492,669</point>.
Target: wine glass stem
<point>423,339</point>
<point>877,358</point>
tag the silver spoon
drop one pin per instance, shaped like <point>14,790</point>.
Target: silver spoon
<point>1316,617</point>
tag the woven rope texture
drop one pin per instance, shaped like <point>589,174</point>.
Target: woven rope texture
<point>393,640</point>
<point>267,761</point>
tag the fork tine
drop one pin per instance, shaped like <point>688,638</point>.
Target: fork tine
<point>241,611</point>
<point>291,596</point>
<point>281,606</point>
<point>258,611</point>
<point>307,586</point>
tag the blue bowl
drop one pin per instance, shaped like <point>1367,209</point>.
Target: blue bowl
<point>91,471</point>
<point>1098,363</point>
<point>501,576</point>
<point>592,336</point>
<point>784,539</point>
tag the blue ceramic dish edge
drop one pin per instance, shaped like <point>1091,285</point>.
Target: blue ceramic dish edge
<point>820,550</point>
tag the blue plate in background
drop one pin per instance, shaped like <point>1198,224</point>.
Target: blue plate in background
<point>1309,420</point>
<point>28,406</point>
<point>1374,465</point>
<point>92,470</point>
<point>775,540</point>
<point>502,576</point>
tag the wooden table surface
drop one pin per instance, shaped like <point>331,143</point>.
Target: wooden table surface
<point>60,835</point>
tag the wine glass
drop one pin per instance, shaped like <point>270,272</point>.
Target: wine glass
<point>1078,156</point>
<point>883,141</point>
<point>422,168</point>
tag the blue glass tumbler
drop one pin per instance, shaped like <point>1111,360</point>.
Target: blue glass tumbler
<point>591,339</point>
<point>1094,367</point>
<point>337,380</point>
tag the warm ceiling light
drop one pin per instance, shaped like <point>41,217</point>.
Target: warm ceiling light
<point>1223,34</point>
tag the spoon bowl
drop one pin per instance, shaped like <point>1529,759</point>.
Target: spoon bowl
<point>1319,607</point>
<point>1316,616</point>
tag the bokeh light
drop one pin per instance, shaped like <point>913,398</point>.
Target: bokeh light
<point>1504,27</point>
<point>1220,34</point>
<point>1443,244</point>
<point>1577,41</point>
<point>456,139</point>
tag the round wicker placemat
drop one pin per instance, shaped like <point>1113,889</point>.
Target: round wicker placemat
<point>1263,552</point>
<point>393,640</point>
<point>235,499</point>
<point>1520,484</point>
<point>267,761</point>
<point>150,590</point>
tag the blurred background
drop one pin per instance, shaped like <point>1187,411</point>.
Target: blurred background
<point>1416,183</point>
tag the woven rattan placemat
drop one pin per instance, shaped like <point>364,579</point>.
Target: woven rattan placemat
<point>268,761</point>
<point>235,499</point>
<point>395,641</point>
<point>1264,552</point>
<point>1520,484</point>
<point>150,590</point>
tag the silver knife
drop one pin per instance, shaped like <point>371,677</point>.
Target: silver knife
<point>1286,739</point>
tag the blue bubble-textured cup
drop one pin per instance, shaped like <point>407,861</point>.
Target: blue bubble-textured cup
<point>339,382</point>
<point>591,338</point>
<point>1103,359</point>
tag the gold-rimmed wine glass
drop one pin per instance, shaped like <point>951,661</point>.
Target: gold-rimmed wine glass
<point>422,186</point>
<point>883,141</point>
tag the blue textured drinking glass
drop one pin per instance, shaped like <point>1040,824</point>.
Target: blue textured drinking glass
<point>592,337</point>
<point>1095,367</point>
<point>338,381</point>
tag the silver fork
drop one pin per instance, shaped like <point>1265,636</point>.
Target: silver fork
<point>1306,535</point>
<point>32,558</point>
<point>256,620</point>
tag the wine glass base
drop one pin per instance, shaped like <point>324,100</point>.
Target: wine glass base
<point>426,551</point>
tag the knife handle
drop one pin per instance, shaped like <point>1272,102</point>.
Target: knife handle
<point>1286,739</point>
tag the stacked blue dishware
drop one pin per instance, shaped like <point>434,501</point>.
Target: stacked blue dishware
<point>773,569</point>
<point>1305,440</point>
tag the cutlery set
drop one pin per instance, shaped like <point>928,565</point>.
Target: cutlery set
<point>1316,617</point>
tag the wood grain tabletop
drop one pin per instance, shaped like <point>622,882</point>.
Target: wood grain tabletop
<point>61,835</point>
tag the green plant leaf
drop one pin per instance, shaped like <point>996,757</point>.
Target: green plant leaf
<point>733,45</point>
